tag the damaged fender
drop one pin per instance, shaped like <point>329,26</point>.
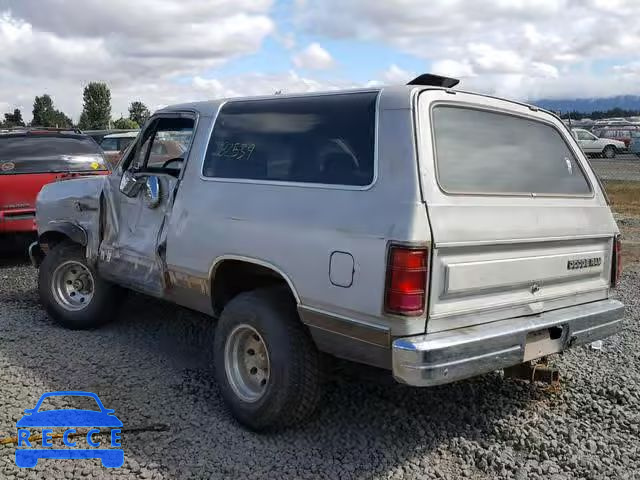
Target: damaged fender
<point>72,207</point>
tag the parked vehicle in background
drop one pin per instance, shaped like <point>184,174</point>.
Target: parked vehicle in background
<point>357,223</point>
<point>29,159</point>
<point>592,145</point>
<point>98,135</point>
<point>622,134</point>
<point>634,144</point>
<point>114,145</point>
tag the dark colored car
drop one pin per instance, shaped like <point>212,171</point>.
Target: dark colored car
<point>29,159</point>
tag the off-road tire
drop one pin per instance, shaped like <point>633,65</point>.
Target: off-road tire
<point>294,388</point>
<point>101,308</point>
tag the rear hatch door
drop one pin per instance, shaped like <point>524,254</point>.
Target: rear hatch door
<point>519,223</point>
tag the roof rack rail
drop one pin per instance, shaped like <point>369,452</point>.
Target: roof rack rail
<point>432,80</point>
<point>35,129</point>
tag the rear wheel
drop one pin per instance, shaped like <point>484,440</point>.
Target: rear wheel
<point>266,364</point>
<point>72,292</point>
<point>609,152</point>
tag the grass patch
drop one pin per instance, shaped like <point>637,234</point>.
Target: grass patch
<point>624,196</point>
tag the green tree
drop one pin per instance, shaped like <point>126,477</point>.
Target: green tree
<point>97,105</point>
<point>83,122</point>
<point>45,114</point>
<point>138,112</point>
<point>13,119</point>
<point>125,124</point>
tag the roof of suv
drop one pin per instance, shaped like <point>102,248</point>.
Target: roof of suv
<point>399,95</point>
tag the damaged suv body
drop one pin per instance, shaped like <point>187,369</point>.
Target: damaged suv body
<point>432,232</point>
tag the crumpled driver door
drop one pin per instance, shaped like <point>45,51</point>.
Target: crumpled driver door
<point>138,199</point>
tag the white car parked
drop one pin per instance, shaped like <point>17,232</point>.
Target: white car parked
<point>592,145</point>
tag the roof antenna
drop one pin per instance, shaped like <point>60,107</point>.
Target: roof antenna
<point>432,80</point>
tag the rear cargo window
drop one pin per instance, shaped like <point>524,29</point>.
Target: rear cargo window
<point>12,148</point>
<point>479,151</point>
<point>328,139</point>
<point>47,153</point>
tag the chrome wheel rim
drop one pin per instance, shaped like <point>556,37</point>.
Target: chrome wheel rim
<point>72,285</point>
<point>246,363</point>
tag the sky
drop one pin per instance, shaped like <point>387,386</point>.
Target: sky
<point>170,51</point>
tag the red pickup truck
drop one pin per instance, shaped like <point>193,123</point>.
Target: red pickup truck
<point>29,159</point>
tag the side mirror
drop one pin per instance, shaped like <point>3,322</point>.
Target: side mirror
<point>152,192</point>
<point>129,184</point>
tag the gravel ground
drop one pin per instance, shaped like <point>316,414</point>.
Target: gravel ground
<point>623,167</point>
<point>150,366</point>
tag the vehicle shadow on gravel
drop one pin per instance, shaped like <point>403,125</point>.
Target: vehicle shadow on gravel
<point>152,367</point>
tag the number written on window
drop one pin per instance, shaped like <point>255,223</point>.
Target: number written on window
<point>238,151</point>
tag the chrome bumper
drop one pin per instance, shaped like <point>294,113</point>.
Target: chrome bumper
<point>444,357</point>
<point>35,254</point>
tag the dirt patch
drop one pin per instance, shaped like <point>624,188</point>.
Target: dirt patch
<point>625,203</point>
<point>624,197</point>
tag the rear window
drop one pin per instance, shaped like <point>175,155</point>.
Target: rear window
<point>483,152</point>
<point>325,139</point>
<point>14,148</point>
<point>48,154</point>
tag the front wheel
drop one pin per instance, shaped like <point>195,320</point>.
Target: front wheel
<point>609,152</point>
<point>72,292</point>
<point>266,364</point>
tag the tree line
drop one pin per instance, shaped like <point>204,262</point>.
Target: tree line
<point>598,115</point>
<point>96,112</point>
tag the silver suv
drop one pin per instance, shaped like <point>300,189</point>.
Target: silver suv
<point>435,233</point>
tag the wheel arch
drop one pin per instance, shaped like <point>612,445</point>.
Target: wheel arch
<point>60,231</point>
<point>233,274</point>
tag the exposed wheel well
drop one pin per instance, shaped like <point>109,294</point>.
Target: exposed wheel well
<point>52,238</point>
<point>232,277</point>
<point>64,231</point>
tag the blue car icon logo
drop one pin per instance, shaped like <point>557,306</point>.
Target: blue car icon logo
<point>70,420</point>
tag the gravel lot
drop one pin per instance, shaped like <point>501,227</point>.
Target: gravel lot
<point>623,167</point>
<point>150,366</point>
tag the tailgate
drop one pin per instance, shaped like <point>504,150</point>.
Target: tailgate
<point>519,224</point>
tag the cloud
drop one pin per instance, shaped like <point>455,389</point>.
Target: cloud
<point>57,47</point>
<point>521,47</point>
<point>314,57</point>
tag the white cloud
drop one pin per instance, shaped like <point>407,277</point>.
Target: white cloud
<point>521,47</point>
<point>453,68</point>
<point>56,47</point>
<point>395,75</point>
<point>314,57</point>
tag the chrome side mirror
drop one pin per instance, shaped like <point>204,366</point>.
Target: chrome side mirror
<point>129,184</point>
<point>152,192</point>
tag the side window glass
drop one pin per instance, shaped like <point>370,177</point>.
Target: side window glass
<point>141,154</point>
<point>165,145</point>
<point>170,142</point>
<point>109,144</point>
<point>328,139</point>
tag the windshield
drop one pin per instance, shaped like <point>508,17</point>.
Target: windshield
<point>47,153</point>
<point>484,152</point>
<point>66,402</point>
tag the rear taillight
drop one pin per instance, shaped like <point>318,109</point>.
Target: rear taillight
<point>406,289</point>
<point>616,261</point>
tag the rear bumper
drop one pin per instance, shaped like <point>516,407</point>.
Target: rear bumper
<point>445,357</point>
